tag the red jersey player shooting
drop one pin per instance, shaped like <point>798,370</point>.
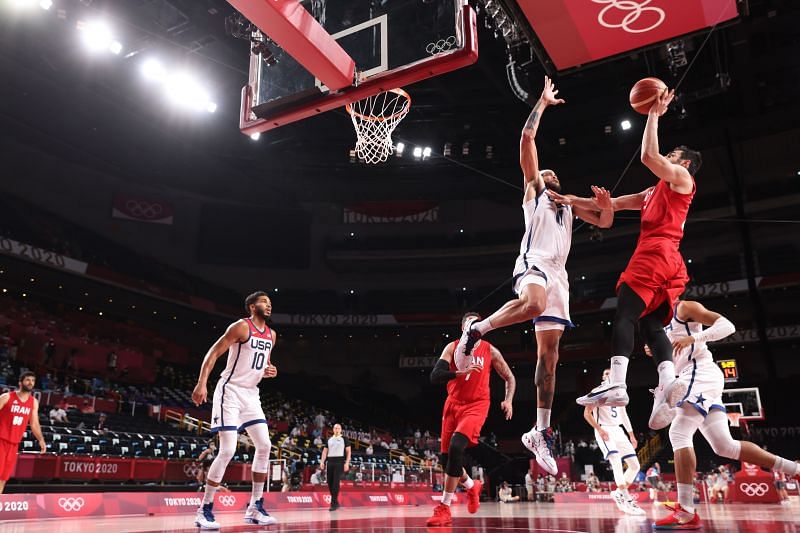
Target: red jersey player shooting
<point>465,411</point>
<point>16,409</point>
<point>656,274</point>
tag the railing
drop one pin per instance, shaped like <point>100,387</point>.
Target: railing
<point>187,422</point>
<point>647,452</point>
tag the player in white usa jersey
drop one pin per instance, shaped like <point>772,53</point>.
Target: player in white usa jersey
<point>540,277</point>
<point>617,448</point>
<point>237,406</point>
<point>702,408</point>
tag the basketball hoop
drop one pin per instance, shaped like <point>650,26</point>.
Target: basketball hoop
<point>374,119</point>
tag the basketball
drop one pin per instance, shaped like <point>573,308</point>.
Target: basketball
<point>645,92</point>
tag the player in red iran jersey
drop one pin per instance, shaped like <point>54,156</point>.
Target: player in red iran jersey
<point>465,411</point>
<point>16,409</point>
<point>656,274</point>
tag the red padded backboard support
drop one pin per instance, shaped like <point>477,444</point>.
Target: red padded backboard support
<point>411,73</point>
<point>294,29</point>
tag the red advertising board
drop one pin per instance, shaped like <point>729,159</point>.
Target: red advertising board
<point>754,485</point>
<point>576,32</point>
<point>76,505</point>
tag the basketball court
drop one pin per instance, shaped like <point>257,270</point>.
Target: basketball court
<point>540,518</point>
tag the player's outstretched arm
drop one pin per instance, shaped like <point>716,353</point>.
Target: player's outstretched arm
<point>36,427</point>
<point>236,332</point>
<point>718,327</point>
<point>602,214</point>
<point>675,175</point>
<point>501,367</point>
<point>528,156</point>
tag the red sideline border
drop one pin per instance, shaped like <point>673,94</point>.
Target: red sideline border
<point>80,505</point>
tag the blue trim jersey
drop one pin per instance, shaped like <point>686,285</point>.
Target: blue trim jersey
<point>548,235</point>
<point>678,329</point>
<point>247,360</point>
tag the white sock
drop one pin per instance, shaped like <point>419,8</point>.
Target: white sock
<point>447,498</point>
<point>258,492</point>
<point>666,372</point>
<point>686,496</point>
<point>468,484</point>
<point>208,497</point>
<point>542,418</point>
<point>625,492</point>
<point>619,369</point>
<point>483,326</point>
<point>790,468</point>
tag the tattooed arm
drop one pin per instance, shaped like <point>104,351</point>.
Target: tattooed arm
<point>528,156</point>
<point>501,367</point>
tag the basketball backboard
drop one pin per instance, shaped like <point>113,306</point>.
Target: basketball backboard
<point>393,43</point>
<point>746,401</point>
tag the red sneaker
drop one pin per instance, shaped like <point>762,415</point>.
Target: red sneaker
<point>679,519</point>
<point>441,516</point>
<point>474,497</point>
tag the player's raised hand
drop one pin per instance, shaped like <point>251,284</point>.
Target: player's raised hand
<point>680,344</point>
<point>199,394</point>
<point>661,103</point>
<point>507,408</point>
<point>549,93</point>
<point>602,198</point>
<point>271,371</point>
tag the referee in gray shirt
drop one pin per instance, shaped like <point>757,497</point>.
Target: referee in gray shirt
<point>336,455</point>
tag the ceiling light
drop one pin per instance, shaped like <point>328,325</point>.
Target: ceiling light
<point>255,136</point>
<point>211,107</point>
<point>97,36</point>
<point>626,124</point>
<point>426,153</point>
<point>152,69</point>
<point>184,91</point>
<point>417,152</point>
<point>115,47</point>
<point>46,4</point>
<point>607,129</point>
<point>400,147</point>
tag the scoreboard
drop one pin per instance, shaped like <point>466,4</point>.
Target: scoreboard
<point>729,369</point>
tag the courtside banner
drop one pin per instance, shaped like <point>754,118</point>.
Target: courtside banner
<point>77,505</point>
<point>576,32</point>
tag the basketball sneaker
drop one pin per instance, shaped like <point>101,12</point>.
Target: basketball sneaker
<point>619,500</point>
<point>469,338</point>
<point>474,496</point>
<point>665,398</point>
<point>679,519</point>
<point>256,514</point>
<point>633,508</point>
<point>441,516</point>
<point>614,395</point>
<point>205,517</point>
<point>540,444</point>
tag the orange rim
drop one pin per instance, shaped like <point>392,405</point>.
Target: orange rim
<point>403,111</point>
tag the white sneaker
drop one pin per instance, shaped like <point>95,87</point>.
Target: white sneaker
<point>615,395</point>
<point>256,514</point>
<point>633,508</point>
<point>469,337</point>
<point>664,400</point>
<point>205,517</point>
<point>620,500</point>
<point>540,444</point>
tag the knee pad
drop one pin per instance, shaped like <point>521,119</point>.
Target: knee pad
<point>683,428</point>
<point>718,435</point>
<point>227,449</point>
<point>455,461</point>
<point>633,463</point>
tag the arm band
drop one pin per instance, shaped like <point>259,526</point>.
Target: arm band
<point>441,372</point>
<point>721,328</point>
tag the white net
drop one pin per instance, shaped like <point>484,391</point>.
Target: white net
<point>374,119</point>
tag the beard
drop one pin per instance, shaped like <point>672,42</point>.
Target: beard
<point>26,388</point>
<point>262,313</point>
<point>553,186</point>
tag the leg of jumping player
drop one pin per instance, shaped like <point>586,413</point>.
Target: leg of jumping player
<point>539,440</point>
<point>530,304</point>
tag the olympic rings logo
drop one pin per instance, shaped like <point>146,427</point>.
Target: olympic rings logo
<point>754,489</point>
<point>635,11</point>
<point>71,505</point>
<point>442,45</point>
<point>227,500</point>
<point>190,469</point>
<point>144,209</point>
<point>326,498</point>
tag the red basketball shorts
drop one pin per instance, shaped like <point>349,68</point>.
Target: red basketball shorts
<point>656,274</point>
<point>466,418</point>
<point>8,458</point>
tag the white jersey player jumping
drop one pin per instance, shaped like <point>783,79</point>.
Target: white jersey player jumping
<point>617,448</point>
<point>540,277</point>
<point>237,406</point>
<point>702,408</point>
